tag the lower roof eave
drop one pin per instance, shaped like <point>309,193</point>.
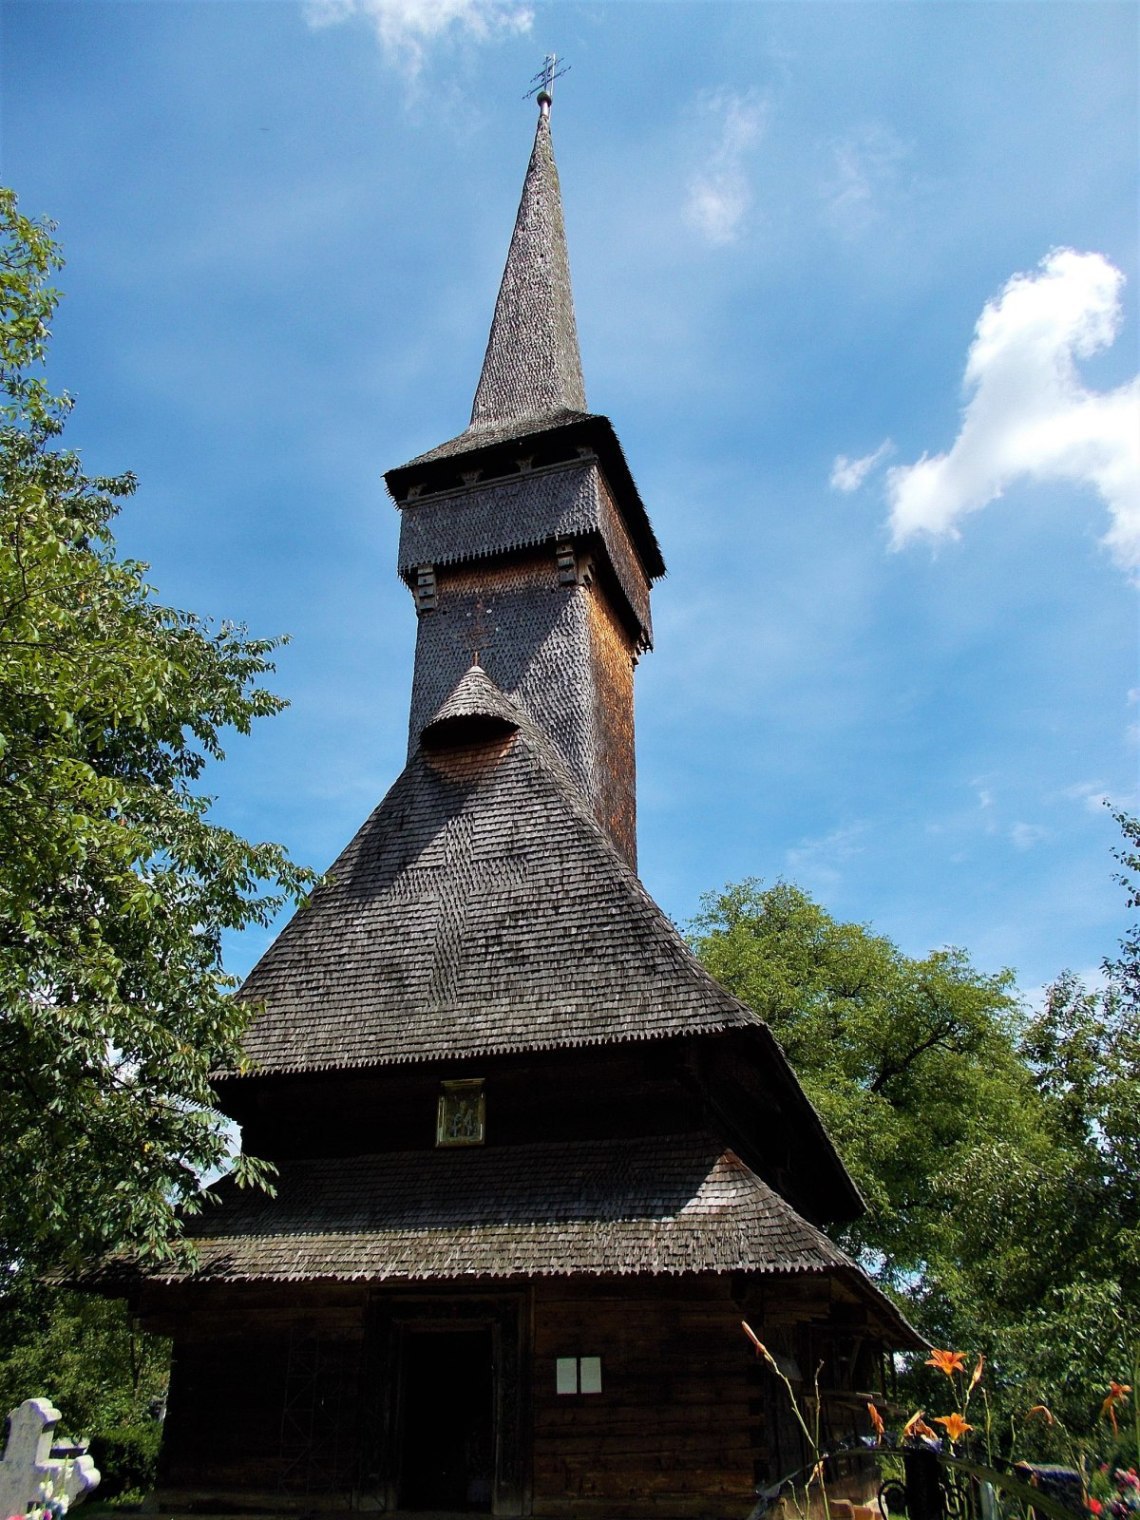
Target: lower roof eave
<point>128,1275</point>
<point>897,1332</point>
<point>658,1206</point>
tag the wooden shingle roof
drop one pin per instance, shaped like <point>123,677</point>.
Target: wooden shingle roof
<point>570,500</point>
<point>660,1204</point>
<point>531,398</point>
<point>532,367</point>
<point>654,1206</point>
<point>493,453</point>
<point>480,909</point>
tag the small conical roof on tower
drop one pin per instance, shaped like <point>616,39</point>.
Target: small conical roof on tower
<point>532,369</point>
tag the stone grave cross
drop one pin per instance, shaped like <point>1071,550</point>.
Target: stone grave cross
<point>29,1465</point>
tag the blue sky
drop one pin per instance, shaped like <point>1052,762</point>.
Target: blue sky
<point>885,424</point>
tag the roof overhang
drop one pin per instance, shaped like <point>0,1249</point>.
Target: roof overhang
<point>495,454</point>
<point>662,1206</point>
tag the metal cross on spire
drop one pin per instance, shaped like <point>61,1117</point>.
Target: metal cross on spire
<point>542,84</point>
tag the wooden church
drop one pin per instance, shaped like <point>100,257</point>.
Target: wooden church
<point>536,1165</point>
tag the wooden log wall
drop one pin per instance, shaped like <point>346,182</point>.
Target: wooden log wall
<point>264,1403</point>
<point>677,1429</point>
<point>597,1093</point>
<point>819,1333</point>
<point>278,1391</point>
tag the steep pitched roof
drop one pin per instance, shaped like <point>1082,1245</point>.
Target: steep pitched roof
<point>531,396</point>
<point>475,696</point>
<point>660,1205</point>
<point>532,367</point>
<point>480,909</point>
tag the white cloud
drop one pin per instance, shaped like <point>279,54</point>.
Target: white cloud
<point>849,474</point>
<point>1090,793</point>
<point>816,862</point>
<point>1026,835</point>
<point>406,28</point>
<point>720,192</point>
<point>1028,416</point>
<point>863,167</point>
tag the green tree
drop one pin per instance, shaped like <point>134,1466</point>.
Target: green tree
<point>999,1153</point>
<point>115,885</point>
<point>911,1063</point>
<point>107,1379</point>
<point>1060,1285</point>
<point>1124,970</point>
<point>1084,1052</point>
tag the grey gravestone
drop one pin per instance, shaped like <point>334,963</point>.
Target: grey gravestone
<point>29,1473</point>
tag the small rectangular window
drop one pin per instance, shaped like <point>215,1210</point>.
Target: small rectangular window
<point>578,1374</point>
<point>461,1116</point>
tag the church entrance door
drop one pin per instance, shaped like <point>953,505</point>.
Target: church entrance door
<point>447,1419</point>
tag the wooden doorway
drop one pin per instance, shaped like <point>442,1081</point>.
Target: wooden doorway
<point>418,1348</point>
<point>447,1419</point>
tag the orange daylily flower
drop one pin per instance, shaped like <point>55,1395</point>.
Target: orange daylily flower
<point>1044,1411</point>
<point>956,1426</point>
<point>761,1349</point>
<point>1117,1393</point>
<point>948,1362</point>
<point>876,1423</point>
<point>977,1375</point>
<point>917,1426</point>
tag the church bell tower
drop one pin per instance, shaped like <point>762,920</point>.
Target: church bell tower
<point>533,1165</point>
<point>524,540</point>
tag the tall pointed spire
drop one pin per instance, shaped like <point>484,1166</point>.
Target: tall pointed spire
<point>531,514</point>
<point>532,369</point>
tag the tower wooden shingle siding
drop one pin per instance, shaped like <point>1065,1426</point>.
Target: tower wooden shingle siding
<point>534,1163</point>
<point>517,540</point>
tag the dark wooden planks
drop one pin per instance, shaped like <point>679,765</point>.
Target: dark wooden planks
<point>673,1431</point>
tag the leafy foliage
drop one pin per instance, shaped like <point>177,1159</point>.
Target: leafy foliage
<point>115,886</point>
<point>999,1154</point>
<point>107,1380</point>
<point>1045,1267</point>
<point>908,1061</point>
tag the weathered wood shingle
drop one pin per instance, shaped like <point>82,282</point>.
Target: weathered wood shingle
<point>481,908</point>
<point>660,1206</point>
<point>569,501</point>
<point>664,1204</point>
<point>532,367</point>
